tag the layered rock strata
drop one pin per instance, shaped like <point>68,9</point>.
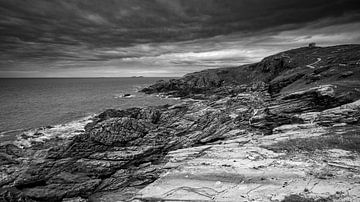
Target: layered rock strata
<point>276,130</point>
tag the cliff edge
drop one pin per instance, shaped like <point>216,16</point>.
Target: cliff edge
<point>284,129</point>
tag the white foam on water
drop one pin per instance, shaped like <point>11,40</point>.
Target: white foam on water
<point>164,96</point>
<point>123,96</point>
<point>137,88</point>
<point>3,133</point>
<point>62,131</point>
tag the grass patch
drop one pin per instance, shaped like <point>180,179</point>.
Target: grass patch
<point>349,141</point>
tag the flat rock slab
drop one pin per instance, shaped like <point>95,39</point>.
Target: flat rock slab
<point>248,172</point>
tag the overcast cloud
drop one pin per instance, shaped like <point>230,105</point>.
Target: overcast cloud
<point>61,38</point>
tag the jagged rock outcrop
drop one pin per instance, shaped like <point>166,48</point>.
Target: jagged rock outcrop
<point>284,72</point>
<point>278,123</point>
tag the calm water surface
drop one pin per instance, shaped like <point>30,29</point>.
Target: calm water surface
<point>32,103</point>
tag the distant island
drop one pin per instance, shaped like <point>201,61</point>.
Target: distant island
<point>137,77</point>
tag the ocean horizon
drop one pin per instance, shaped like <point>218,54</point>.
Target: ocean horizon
<point>31,104</point>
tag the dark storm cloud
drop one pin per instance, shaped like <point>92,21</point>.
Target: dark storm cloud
<point>120,22</point>
<point>52,33</point>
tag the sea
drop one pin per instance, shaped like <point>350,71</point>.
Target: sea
<point>63,106</point>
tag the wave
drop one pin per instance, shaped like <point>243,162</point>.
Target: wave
<point>165,96</point>
<point>62,131</point>
<point>124,95</point>
<point>7,132</point>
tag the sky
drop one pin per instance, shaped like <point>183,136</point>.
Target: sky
<point>162,38</point>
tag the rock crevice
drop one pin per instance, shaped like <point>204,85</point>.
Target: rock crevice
<point>257,120</point>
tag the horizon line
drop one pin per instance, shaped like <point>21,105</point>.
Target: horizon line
<point>100,77</point>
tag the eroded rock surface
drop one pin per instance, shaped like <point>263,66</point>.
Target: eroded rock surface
<point>271,131</point>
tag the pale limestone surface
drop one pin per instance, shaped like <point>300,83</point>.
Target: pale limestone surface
<point>241,169</point>
<point>233,172</point>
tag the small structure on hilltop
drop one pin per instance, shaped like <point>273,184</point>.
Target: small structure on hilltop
<point>312,45</point>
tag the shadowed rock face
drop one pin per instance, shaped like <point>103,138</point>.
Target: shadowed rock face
<point>238,122</point>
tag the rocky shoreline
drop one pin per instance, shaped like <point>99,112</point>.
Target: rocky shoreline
<point>276,130</point>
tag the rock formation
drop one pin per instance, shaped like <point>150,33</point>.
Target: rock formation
<point>276,130</point>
